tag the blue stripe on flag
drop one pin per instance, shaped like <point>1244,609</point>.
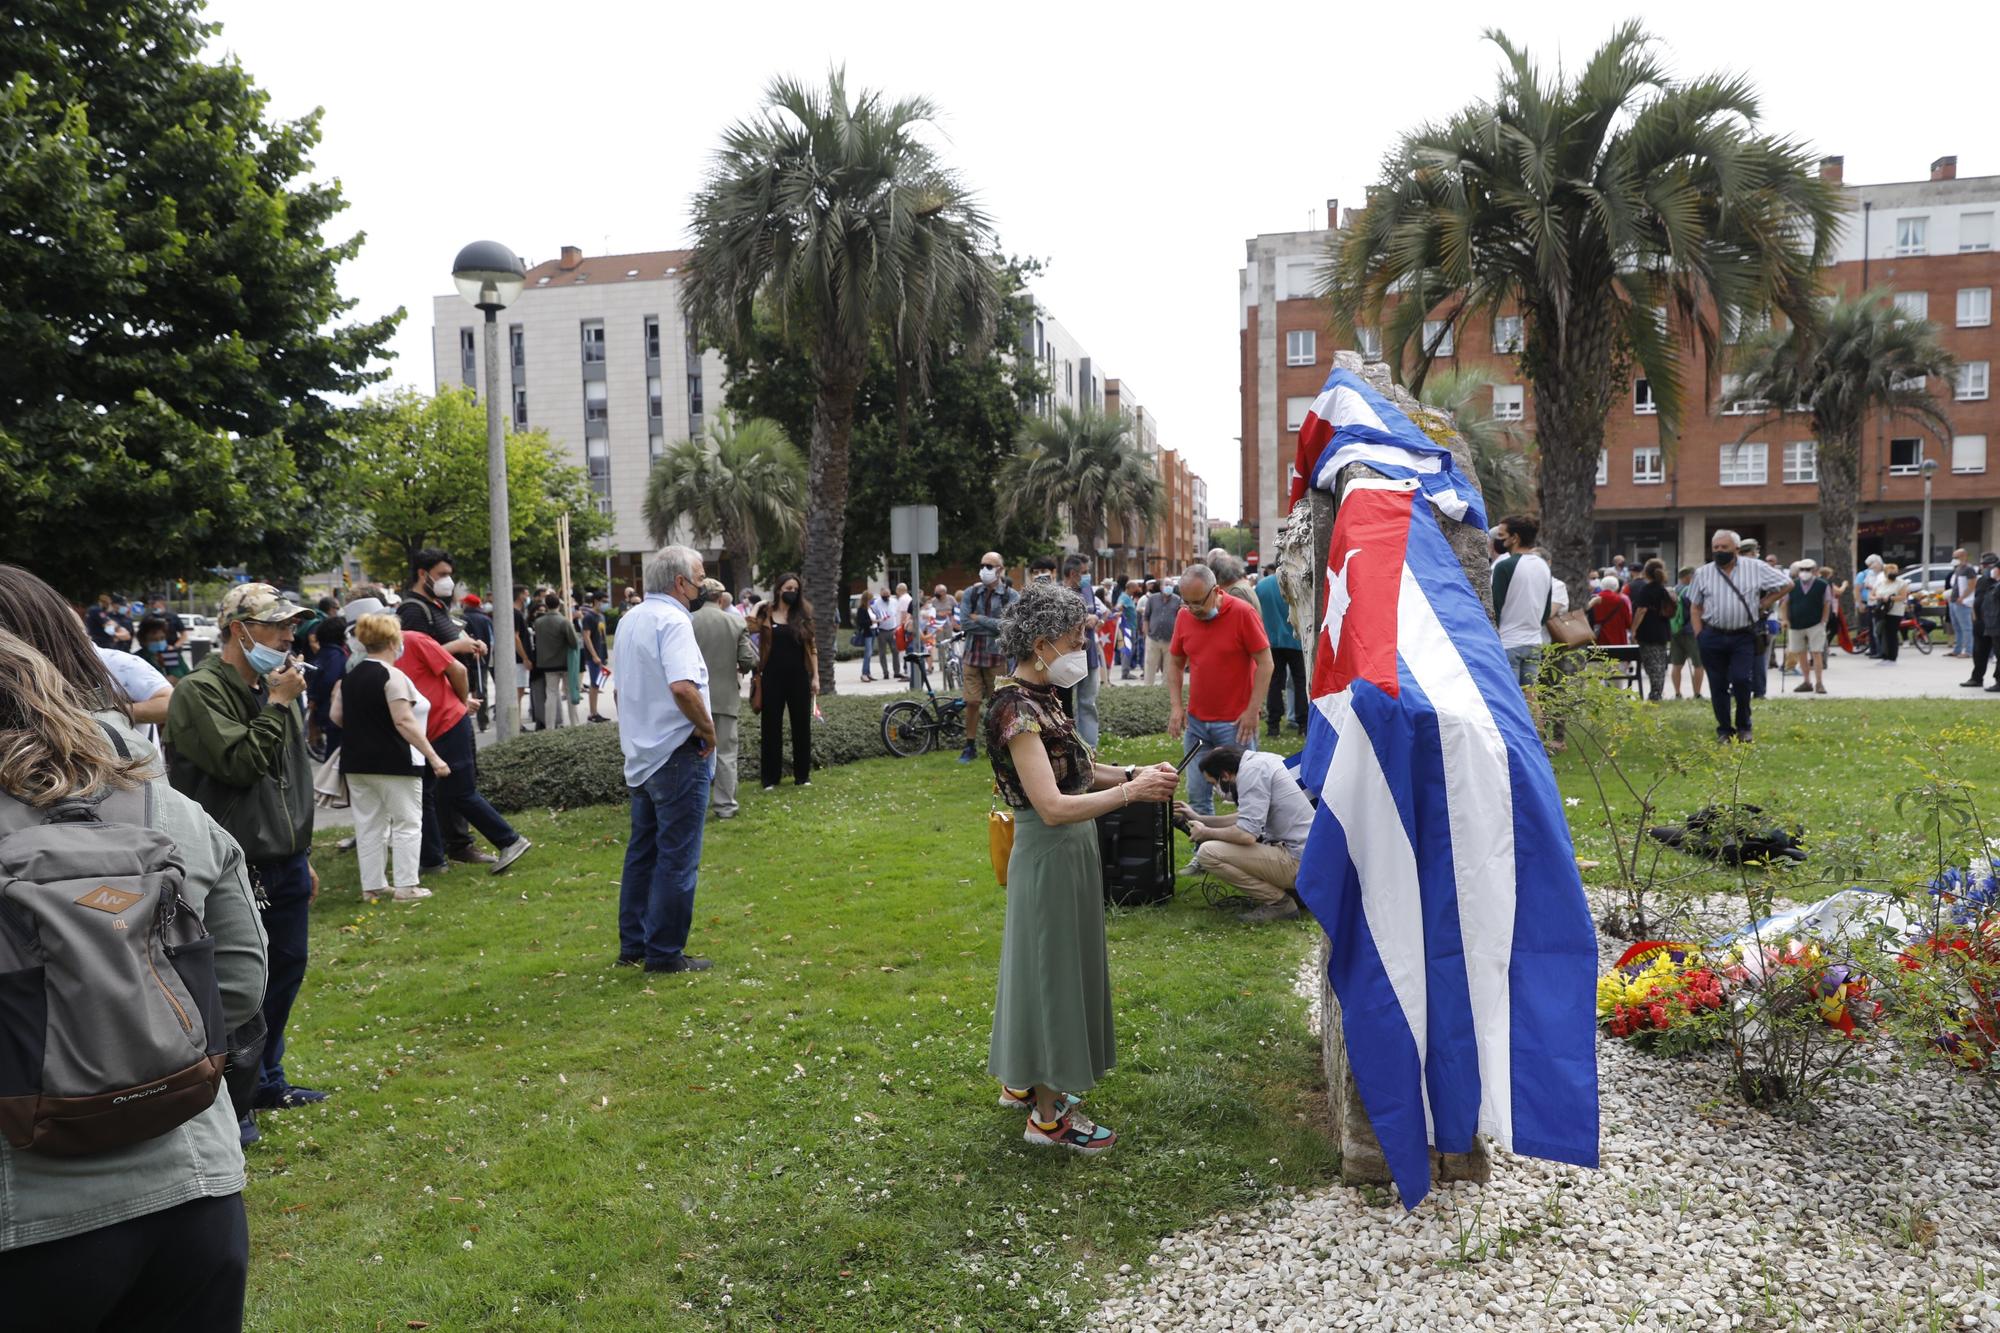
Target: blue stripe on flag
<point>1399,433</point>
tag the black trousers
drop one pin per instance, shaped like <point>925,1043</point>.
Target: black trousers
<point>1283,661</point>
<point>785,694</point>
<point>1889,633</point>
<point>1982,651</point>
<point>180,1270</point>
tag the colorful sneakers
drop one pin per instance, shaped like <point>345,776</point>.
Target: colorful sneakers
<point>1023,1099</point>
<point>1074,1130</point>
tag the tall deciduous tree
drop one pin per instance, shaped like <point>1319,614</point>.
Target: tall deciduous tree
<point>167,302</point>
<point>837,213</point>
<point>1620,212</point>
<point>1085,466</point>
<point>737,482</point>
<point>416,477</point>
<point>1862,357</point>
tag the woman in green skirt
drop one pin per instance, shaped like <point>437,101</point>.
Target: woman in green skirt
<point>1052,1032</point>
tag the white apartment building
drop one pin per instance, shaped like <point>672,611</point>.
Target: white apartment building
<point>597,354</point>
<point>1075,379</point>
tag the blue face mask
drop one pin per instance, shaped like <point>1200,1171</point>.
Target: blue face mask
<point>263,660</point>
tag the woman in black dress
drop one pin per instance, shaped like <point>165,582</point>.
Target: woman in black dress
<point>1653,607</point>
<point>787,679</point>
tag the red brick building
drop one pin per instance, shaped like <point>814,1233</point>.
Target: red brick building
<point>1929,244</point>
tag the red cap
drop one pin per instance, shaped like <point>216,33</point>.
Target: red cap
<point>472,601</point>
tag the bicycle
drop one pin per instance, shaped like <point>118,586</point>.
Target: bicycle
<point>911,728</point>
<point>951,661</point>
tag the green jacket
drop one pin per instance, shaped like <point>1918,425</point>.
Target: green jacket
<point>46,1198</point>
<point>242,760</point>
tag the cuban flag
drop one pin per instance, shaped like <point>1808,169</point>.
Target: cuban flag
<point>1439,863</point>
<point>1351,423</point>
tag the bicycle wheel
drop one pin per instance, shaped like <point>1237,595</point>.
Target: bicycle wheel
<point>907,730</point>
<point>1921,637</point>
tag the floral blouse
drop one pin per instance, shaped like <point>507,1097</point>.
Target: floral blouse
<point>1017,706</point>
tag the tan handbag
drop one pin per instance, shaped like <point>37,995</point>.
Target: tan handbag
<point>999,836</point>
<point>1571,629</point>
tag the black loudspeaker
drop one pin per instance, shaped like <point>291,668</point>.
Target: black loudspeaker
<point>1136,846</point>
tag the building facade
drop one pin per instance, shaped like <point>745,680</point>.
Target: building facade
<point>597,354</point>
<point>1928,244</point>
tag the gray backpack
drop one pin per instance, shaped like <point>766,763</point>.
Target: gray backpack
<point>111,1027</point>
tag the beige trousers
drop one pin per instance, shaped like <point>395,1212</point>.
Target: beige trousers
<point>1264,873</point>
<point>722,787</point>
<point>1156,661</point>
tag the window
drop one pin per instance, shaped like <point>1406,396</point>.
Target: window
<point>1911,234</point>
<point>1506,333</point>
<point>1295,412</point>
<point>1975,232</point>
<point>1972,378</point>
<point>593,342</point>
<point>694,399</point>
<point>656,444</point>
<point>1371,343</point>
<point>1648,469</point>
<point>1743,464</point>
<point>1802,461</point>
<point>594,401</point>
<point>1642,399</point>
<point>1733,402</point>
<point>1914,305</point>
<point>1968,453</point>
<point>1437,336</point>
<point>597,458</point>
<point>468,354</point>
<point>653,409</point>
<point>652,337</point>
<point>1906,457</point>
<point>1975,307</point>
<point>1296,279</point>
<point>1603,467</point>
<point>517,349</point>
<point>520,407</point>
<point>1301,347</point>
<point>1508,402</point>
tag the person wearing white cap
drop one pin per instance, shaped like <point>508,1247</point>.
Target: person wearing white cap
<point>1808,607</point>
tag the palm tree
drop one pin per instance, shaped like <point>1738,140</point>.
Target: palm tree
<point>1861,357</point>
<point>1498,448</point>
<point>1085,466</point>
<point>1620,213</point>
<point>734,482</point>
<point>834,212</point>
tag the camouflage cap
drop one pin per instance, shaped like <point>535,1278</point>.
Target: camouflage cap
<point>259,602</point>
<point>710,587</point>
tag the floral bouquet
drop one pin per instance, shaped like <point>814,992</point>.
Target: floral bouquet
<point>1656,994</point>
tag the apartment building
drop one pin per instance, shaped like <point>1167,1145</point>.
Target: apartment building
<point>1928,243</point>
<point>1074,378</point>
<point>597,354</point>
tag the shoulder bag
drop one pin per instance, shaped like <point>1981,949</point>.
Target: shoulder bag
<point>1571,629</point>
<point>999,835</point>
<point>1763,636</point>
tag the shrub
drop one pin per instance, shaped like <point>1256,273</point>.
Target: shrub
<point>578,766</point>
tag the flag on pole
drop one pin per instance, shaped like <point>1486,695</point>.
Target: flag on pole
<point>1351,423</point>
<point>1439,862</point>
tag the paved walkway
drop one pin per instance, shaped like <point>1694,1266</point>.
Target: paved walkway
<point>1911,676</point>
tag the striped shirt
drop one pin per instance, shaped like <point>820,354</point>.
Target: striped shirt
<point>1723,609</point>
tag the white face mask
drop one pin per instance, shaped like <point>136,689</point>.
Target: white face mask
<point>1068,669</point>
<point>444,588</point>
<point>987,574</point>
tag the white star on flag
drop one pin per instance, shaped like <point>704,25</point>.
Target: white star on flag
<point>1336,601</point>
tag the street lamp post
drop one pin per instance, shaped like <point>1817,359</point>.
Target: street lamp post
<point>490,276</point>
<point>1929,469</point>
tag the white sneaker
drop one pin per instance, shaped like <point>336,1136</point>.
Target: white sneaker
<point>416,893</point>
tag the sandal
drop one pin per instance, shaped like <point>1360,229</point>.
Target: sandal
<point>1074,1130</point>
<point>374,895</point>
<point>416,893</point>
<point>1023,1099</point>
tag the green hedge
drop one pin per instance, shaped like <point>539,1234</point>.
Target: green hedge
<point>578,766</point>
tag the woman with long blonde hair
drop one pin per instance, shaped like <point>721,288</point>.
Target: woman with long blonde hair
<point>156,1229</point>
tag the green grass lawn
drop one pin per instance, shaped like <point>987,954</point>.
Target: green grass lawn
<point>522,1137</point>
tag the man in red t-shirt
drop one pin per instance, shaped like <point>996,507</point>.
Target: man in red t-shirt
<point>1221,642</point>
<point>441,678</point>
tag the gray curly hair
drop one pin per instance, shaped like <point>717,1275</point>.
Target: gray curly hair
<point>1045,611</point>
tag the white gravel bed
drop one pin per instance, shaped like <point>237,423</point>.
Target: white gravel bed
<point>1882,1215</point>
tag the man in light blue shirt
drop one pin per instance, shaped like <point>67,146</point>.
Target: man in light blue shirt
<point>668,736</point>
<point>1287,655</point>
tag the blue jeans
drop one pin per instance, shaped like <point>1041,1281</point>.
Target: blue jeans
<point>459,795</point>
<point>1728,658</point>
<point>1086,703</point>
<point>1961,629</point>
<point>287,885</point>
<point>1206,736</point>
<point>656,892</point>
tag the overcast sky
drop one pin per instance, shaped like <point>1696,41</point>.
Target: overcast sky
<point>1130,148</point>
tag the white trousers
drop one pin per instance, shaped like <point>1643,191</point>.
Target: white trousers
<point>388,818</point>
